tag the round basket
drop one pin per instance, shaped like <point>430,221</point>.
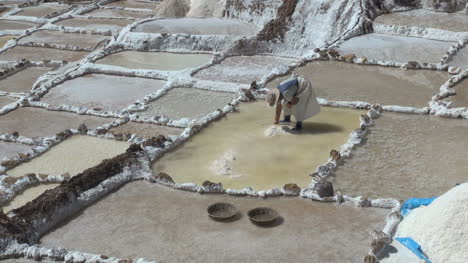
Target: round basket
<point>262,215</point>
<point>222,211</point>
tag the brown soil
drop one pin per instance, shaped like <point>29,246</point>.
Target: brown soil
<point>276,28</point>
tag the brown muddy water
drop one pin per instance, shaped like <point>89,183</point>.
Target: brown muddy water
<point>27,196</point>
<point>407,156</point>
<point>386,86</point>
<point>72,156</point>
<point>156,60</point>
<point>256,160</point>
<point>164,225</point>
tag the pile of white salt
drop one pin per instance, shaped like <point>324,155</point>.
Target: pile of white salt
<point>442,227</point>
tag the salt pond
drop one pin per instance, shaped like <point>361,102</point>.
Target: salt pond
<point>40,54</point>
<point>396,48</point>
<point>188,103</point>
<point>160,224</point>
<point>15,25</point>
<point>32,122</point>
<point>243,69</point>
<point>23,80</point>
<point>9,149</point>
<point>388,86</point>
<point>102,24</point>
<point>103,92</point>
<point>155,60</point>
<point>461,99</point>
<point>72,156</point>
<point>236,152</point>
<point>60,38</point>
<point>42,10</point>
<point>407,156</point>
<point>27,196</point>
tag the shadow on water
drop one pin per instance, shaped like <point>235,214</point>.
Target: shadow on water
<point>316,128</point>
<point>387,252</point>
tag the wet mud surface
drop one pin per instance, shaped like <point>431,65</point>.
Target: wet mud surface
<point>146,130</point>
<point>176,227</point>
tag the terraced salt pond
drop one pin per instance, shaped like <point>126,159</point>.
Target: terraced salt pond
<point>461,99</point>
<point>387,86</point>
<point>32,122</point>
<point>238,142</point>
<point>160,224</point>
<point>27,196</point>
<point>60,38</point>
<point>460,59</point>
<point>105,92</point>
<point>106,12</point>
<point>156,60</point>
<point>190,103</point>
<point>5,39</point>
<point>5,101</point>
<point>22,81</point>
<point>42,10</point>
<point>15,25</point>
<point>396,48</point>
<point>456,22</point>
<point>146,130</point>
<point>243,69</point>
<point>9,149</point>
<point>208,26</point>
<point>102,24</point>
<point>40,54</point>
<point>407,156</point>
<point>134,4</point>
<point>72,156</point>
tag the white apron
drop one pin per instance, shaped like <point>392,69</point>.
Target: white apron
<point>307,107</point>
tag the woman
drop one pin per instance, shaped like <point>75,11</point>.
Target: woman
<point>294,96</point>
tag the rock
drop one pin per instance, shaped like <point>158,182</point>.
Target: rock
<point>211,187</point>
<point>362,201</point>
<point>349,58</point>
<point>412,65</point>
<point>454,70</point>
<point>273,192</point>
<point>15,134</point>
<point>333,53</point>
<point>370,259</point>
<point>43,176</point>
<point>324,189</point>
<point>380,240</point>
<point>247,94</point>
<point>335,155</point>
<point>291,190</point>
<point>444,5</point>
<point>10,180</point>
<point>8,163</point>
<point>82,129</point>
<point>125,261</point>
<point>164,178</point>
<point>100,131</point>
<point>323,170</point>
<point>253,85</point>
<point>155,141</point>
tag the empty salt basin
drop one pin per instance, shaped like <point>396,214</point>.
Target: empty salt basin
<point>156,60</point>
<point>27,196</point>
<point>60,38</point>
<point>456,22</point>
<point>107,12</point>
<point>406,156</point>
<point>34,122</point>
<point>461,99</point>
<point>10,149</point>
<point>373,84</point>
<point>131,224</point>
<point>242,150</point>
<point>40,54</point>
<point>96,23</point>
<point>42,10</point>
<point>190,103</point>
<point>15,25</point>
<point>5,39</point>
<point>208,26</point>
<point>145,130</point>
<point>22,81</point>
<point>460,59</point>
<point>72,156</point>
<point>102,92</point>
<point>134,4</point>
<point>243,69</point>
<point>396,48</point>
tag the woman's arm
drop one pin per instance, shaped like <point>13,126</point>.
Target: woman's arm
<point>279,108</point>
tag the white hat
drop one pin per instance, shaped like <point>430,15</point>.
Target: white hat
<point>272,96</point>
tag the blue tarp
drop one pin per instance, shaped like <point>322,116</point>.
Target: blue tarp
<point>413,203</point>
<point>414,247</point>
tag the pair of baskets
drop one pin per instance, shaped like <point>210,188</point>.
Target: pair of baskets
<point>226,211</point>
